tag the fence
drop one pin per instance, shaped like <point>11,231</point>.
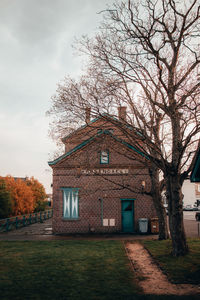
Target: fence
<point>25,220</point>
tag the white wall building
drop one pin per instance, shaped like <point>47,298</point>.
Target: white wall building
<point>188,190</point>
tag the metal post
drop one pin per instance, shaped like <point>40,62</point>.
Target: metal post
<point>16,222</point>
<point>7,224</point>
<point>24,221</point>
<point>101,199</point>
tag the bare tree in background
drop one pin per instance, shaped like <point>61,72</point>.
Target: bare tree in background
<point>152,48</point>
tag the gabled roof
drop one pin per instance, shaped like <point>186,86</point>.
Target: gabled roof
<point>80,128</point>
<point>86,142</point>
<point>195,175</point>
<point>103,116</point>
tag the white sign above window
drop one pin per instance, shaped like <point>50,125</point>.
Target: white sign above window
<point>105,171</point>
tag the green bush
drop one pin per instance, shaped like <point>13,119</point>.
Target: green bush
<point>5,201</point>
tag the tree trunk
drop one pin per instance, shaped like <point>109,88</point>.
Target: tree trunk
<point>175,209</point>
<point>158,204</point>
<point>162,218</point>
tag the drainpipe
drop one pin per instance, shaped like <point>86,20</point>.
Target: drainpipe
<point>101,199</point>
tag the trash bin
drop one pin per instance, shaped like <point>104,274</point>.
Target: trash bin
<point>154,225</point>
<point>143,225</point>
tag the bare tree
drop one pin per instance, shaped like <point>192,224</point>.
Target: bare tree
<point>153,47</point>
<point>103,97</point>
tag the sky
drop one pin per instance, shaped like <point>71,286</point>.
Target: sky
<point>36,53</point>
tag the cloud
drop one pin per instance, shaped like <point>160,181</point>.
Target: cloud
<point>24,144</point>
<point>39,25</point>
<point>36,54</point>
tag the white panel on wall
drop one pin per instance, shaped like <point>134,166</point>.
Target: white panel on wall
<point>105,222</point>
<point>112,222</point>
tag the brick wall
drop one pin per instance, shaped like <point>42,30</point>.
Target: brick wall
<point>111,188</point>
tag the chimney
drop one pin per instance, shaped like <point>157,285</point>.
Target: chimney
<point>122,113</point>
<point>87,115</point>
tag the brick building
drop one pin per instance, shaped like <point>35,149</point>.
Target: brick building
<point>99,182</point>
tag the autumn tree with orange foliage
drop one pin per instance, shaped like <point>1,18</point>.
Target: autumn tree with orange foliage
<point>40,196</point>
<point>22,196</point>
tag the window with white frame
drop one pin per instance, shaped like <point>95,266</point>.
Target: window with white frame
<point>104,157</point>
<point>70,203</point>
<point>198,187</point>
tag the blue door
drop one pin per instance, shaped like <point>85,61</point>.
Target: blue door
<point>127,215</point>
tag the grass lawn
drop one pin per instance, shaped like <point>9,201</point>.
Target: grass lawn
<point>67,270</point>
<point>184,269</point>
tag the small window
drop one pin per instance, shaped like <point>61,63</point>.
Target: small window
<point>70,203</point>
<point>198,187</point>
<point>111,130</point>
<point>104,157</point>
<point>106,130</point>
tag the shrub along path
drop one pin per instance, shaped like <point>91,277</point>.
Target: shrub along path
<point>150,277</point>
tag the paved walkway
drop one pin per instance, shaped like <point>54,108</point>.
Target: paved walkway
<point>30,232</point>
<point>150,276</point>
<point>43,231</point>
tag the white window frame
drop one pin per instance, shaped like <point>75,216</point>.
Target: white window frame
<point>104,157</point>
<point>70,203</point>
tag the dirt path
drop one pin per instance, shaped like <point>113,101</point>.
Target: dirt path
<point>153,280</point>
